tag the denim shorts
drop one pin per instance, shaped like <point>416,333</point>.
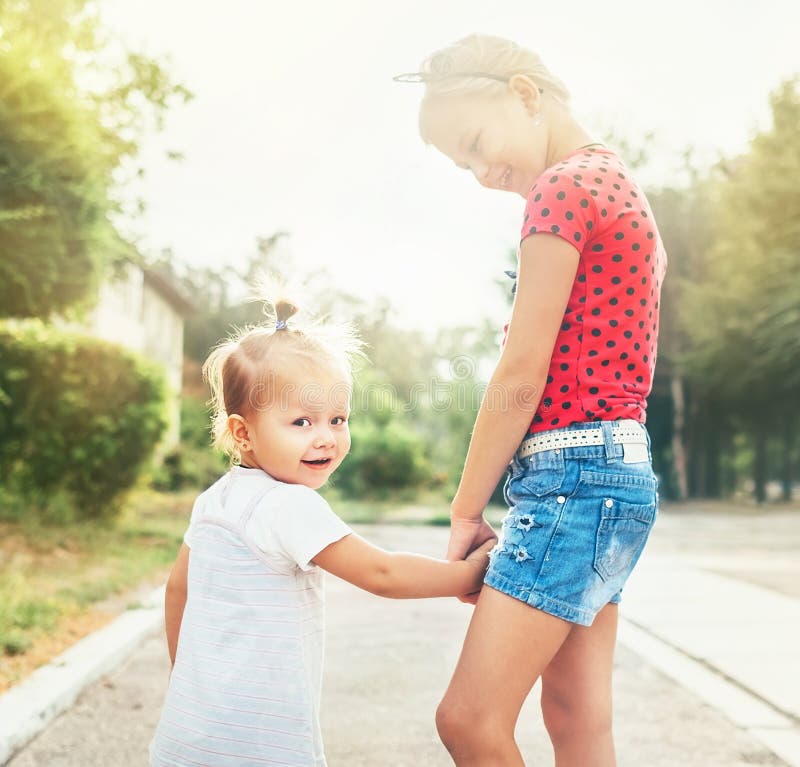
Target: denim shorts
<point>578,521</point>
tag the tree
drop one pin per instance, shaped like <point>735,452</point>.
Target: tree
<point>71,120</point>
<point>743,315</point>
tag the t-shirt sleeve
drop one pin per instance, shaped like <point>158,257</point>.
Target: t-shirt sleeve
<point>187,536</point>
<point>559,204</point>
<point>302,523</point>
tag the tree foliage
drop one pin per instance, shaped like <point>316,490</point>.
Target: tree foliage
<point>72,115</point>
<point>743,315</point>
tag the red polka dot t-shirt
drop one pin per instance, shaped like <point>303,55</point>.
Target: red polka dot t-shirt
<point>605,353</point>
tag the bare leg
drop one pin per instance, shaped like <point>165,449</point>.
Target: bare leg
<point>507,647</point>
<point>576,694</point>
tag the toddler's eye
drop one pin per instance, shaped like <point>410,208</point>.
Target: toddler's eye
<point>302,422</point>
<point>339,420</point>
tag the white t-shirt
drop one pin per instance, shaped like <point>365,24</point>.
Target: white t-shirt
<point>246,684</point>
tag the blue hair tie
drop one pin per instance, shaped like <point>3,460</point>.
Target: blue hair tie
<point>280,325</point>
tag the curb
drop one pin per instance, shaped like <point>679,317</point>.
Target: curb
<point>754,715</point>
<point>25,710</point>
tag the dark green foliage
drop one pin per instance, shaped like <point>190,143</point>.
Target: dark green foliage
<point>384,457</point>
<point>193,463</point>
<point>78,420</point>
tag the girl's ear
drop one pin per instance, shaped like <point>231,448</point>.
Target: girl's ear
<point>528,92</point>
<point>238,428</point>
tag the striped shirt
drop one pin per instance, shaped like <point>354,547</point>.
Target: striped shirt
<point>246,683</point>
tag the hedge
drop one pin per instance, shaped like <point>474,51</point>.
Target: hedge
<point>79,419</point>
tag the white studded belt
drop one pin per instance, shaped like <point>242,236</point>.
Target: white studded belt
<point>623,432</point>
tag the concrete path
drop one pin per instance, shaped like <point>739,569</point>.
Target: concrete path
<point>388,663</point>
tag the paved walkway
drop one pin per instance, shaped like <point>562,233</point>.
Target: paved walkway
<point>706,672</point>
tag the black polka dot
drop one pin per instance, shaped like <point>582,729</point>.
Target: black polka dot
<point>561,195</point>
<point>564,348</point>
<point>553,179</point>
<point>597,268</point>
<point>555,228</point>
<point>569,215</point>
<point>545,212</point>
<point>593,390</point>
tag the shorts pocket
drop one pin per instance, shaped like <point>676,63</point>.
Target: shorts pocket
<point>621,536</point>
<point>545,474</point>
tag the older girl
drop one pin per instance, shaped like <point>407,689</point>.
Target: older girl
<point>566,413</point>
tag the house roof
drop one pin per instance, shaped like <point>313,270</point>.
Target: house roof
<point>165,285</point>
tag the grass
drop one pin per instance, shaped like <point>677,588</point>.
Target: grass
<point>57,583</point>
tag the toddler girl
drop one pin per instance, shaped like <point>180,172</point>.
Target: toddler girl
<point>244,603</point>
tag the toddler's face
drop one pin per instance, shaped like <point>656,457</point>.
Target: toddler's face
<point>302,434</point>
<point>494,137</point>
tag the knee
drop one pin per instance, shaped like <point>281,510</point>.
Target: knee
<point>451,724</point>
<point>463,730</point>
<point>566,717</point>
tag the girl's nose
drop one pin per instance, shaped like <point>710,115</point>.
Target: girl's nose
<point>324,438</point>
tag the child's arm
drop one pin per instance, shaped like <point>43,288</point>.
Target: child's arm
<point>401,575</point>
<point>175,600</point>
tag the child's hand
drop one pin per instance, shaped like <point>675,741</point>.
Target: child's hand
<point>478,559</point>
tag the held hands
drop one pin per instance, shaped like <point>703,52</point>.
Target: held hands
<point>471,539</point>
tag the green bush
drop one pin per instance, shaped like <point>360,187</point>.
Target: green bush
<point>188,466</point>
<point>193,463</point>
<point>384,457</point>
<point>79,419</point>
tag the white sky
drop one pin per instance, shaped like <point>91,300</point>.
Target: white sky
<point>297,125</point>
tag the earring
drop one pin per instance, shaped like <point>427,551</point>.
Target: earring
<point>537,120</point>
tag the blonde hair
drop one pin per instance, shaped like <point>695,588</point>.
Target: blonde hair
<point>238,367</point>
<point>475,55</point>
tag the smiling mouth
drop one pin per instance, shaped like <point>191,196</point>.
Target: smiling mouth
<point>320,463</point>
